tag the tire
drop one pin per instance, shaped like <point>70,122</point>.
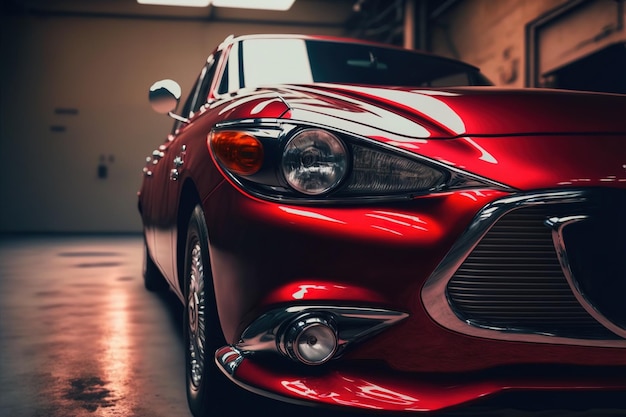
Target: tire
<point>153,280</point>
<point>208,391</point>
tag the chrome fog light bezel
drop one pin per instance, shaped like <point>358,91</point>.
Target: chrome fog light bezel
<point>353,325</point>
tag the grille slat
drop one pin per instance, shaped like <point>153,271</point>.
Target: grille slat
<point>505,298</point>
<point>506,272</point>
<point>513,281</point>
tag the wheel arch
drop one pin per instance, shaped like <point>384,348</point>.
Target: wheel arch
<point>189,198</point>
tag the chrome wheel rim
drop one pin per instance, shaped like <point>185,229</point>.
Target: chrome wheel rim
<point>196,316</point>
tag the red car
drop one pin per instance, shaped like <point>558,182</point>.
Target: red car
<point>351,224</point>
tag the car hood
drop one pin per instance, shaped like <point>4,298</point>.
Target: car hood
<point>526,139</point>
<point>456,112</point>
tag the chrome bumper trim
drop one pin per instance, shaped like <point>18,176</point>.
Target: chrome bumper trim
<point>353,325</point>
<point>557,225</point>
<point>228,358</point>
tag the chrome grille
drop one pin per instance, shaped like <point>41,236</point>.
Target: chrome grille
<point>512,281</point>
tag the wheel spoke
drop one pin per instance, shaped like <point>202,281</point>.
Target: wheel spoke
<point>196,326</point>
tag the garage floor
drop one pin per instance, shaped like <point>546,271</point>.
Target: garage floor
<point>79,336</point>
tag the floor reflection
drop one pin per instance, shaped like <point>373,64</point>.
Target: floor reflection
<point>116,359</point>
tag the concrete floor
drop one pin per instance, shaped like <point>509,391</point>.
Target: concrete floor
<point>79,336</point>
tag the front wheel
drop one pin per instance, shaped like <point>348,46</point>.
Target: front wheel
<point>206,386</point>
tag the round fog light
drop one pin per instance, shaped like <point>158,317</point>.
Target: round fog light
<point>312,341</point>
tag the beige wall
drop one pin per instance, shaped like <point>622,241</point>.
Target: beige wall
<point>103,67</point>
<point>490,34</point>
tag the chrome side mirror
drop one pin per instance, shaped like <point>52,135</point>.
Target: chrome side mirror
<point>164,96</point>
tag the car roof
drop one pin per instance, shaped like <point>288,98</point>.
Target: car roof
<point>232,39</point>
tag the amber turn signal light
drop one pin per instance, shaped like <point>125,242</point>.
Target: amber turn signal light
<point>238,152</point>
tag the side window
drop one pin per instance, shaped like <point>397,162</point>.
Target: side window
<point>230,81</point>
<point>186,111</point>
<point>209,75</point>
<point>199,91</point>
<point>194,97</point>
<point>223,88</point>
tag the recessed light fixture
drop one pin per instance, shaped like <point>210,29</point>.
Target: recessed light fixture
<point>281,5</point>
<point>182,3</point>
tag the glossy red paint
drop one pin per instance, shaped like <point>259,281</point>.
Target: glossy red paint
<point>488,111</point>
<point>319,290</point>
<point>475,354</point>
<point>256,105</point>
<point>350,388</point>
<point>391,391</point>
<point>346,246</point>
<point>454,112</point>
<point>539,161</point>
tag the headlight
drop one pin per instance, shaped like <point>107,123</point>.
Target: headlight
<point>291,162</point>
<point>314,161</point>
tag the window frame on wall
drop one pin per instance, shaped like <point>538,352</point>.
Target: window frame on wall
<point>533,70</point>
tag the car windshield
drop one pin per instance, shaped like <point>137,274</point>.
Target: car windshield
<point>300,61</point>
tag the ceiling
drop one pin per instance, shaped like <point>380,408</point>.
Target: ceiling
<point>376,20</point>
<point>304,12</point>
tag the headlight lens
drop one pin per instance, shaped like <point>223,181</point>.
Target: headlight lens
<point>314,161</point>
<point>375,172</point>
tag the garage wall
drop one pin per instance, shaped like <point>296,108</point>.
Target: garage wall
<point>74,100</point>
<point>489,34</point>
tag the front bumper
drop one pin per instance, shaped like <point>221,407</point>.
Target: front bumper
<point>387,390</point>
<point>267,255</point>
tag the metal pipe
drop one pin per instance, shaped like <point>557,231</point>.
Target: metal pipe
<point>409,24</point>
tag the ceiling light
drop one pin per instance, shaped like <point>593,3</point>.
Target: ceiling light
<point>183,3</point>
<point>281,5</point>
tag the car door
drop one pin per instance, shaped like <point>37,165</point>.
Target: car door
<point>152,195</point>
<point>173,165</point>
